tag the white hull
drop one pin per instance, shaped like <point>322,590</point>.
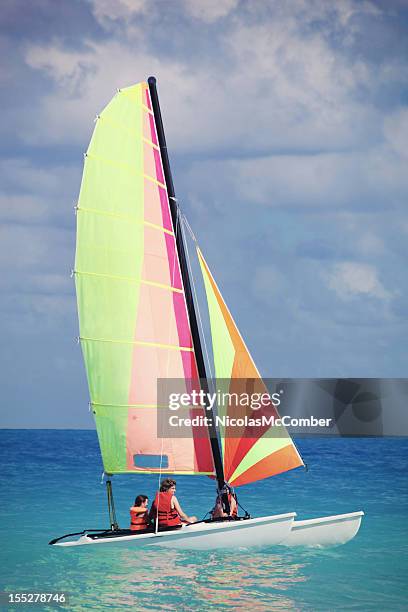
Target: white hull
<point>265,531</point>
<point>326,531</point>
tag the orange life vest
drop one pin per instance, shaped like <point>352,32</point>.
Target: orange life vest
<point>138,521</point>
<point>168,516</point>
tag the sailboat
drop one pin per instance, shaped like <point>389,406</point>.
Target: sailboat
<point>139,322</point>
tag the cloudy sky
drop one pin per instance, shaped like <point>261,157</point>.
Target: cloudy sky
<point>287,124</point>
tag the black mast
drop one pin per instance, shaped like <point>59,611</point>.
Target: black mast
<point>215,446</point>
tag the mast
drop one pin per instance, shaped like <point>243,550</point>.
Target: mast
<point>215,445</point>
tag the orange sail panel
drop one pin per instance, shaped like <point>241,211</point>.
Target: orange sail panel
<point>249,453</point>
<point>132,311</point>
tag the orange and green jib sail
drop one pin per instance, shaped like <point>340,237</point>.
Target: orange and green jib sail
<point>246,457</point>
<point>134,326</point>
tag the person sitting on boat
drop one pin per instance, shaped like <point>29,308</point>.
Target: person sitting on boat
<point>139,514</point>
<point>218,511</point>
<point>166,508</point>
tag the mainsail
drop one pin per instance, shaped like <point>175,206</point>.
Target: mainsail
<point>248,454</point>
<point>134,325</point>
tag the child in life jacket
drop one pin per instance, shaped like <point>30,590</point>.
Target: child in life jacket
<point>218,510</point>
<point>166,508</point>
<point>139,514</point>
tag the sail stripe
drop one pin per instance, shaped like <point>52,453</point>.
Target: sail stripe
<point>151,143</point>
<point>127,167</point>
<point>124,92</point>
<point>130,219</point>
<point>158,227</point>
<point>140,343</point>
<point>123,126</point>
<point>236,371</point>
<point>280,461</point>
<point>130,280</point>
<point>262,448</point>
<point>153,132</point>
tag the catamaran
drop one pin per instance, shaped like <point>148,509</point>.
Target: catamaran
<point>140,322</point>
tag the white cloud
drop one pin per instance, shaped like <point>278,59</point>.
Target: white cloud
<point>350,279</point>
<point>210,10</point>
<point>35,264</point>
<point>34,194</point>
<point>276,87</point>
<point>367,180</point>
<point>269,284</point>
<point>396,131</point>
<point>34,250</point>
<point>370,244</point>
<point>108,11</point>
<point>101,69</point>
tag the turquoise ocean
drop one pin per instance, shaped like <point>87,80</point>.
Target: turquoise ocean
<point>51,485</point>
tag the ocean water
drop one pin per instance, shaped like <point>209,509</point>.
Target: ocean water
<point>51,486</point>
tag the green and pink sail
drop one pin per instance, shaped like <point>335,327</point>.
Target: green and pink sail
<point>134,327</point>
<point>134,323</point>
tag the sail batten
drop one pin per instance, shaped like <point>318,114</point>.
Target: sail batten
<point>134,325</point>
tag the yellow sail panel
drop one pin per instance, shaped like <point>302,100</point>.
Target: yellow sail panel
<point>248,454</point>
<point>134,324</point>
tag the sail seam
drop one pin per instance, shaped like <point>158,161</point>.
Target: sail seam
<point>139,342</point>
<point>151,143</point>
<point>124,218</point>
<point>145,108</point>
<point>130,279</point>
<point>125,128</point>
<point>159,227</point>
<point>125,166</point>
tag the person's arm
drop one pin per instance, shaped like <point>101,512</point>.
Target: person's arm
<point>176,505</point>
<point>139,510</point>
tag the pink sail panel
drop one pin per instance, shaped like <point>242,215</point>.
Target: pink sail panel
<point>163,347</point>
<point>179,454</point>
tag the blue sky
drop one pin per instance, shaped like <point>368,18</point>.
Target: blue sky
<point>287,125</point>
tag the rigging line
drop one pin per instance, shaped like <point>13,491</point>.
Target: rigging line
<point>188,226</point>
<point>184,221</point>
